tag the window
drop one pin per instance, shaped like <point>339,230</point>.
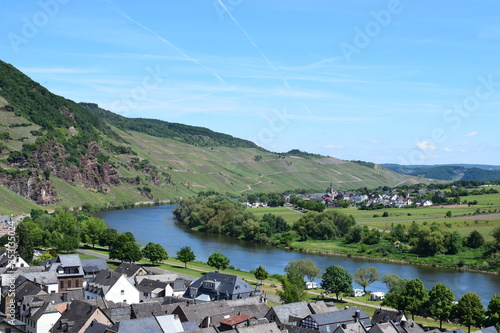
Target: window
<point>61,284</point>
<point>77,283</point>
<point>69,283</point>
<point>122,292</point>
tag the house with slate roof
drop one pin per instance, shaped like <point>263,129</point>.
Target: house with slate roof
<point>11,260</point>
<point>12,326</point>
<point>40,312</point>
<point>329,321</point>
<point>91,267</point>
<point>41,319</point>
<point>384,327</point>
<point>356,327</point>
<point>217,286</point>
<point>146,309</point>
<point>152,324</point>
<point>78,317</point>
<point>288,314</point>
<point>69,271</point>
<point>386,315</point>
<point>261,328</point>
<point>203,314</point>
<point>131,269</point>
<point>149,289</point>
<point>111,286</point>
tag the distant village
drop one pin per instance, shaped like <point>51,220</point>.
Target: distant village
<point>389,198</point>
<point>69,294</point>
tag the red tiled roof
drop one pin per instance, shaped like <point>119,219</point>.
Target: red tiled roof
<point>234,320</point>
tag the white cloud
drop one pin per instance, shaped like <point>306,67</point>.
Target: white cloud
<point>334,147</point>
<point>471,134</point>
<point>376,142</point>
<point>447,149</point>
<point>424,145</point>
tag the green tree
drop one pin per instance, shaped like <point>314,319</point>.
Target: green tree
<point>124,249</point>
<point>414,296</point>
<point>66,224</point>
<point>108,237</point>
<point>65,243</point>
<point>154,252</point>
<point>475,239</point>
<point>303,268</point>
<point>292,289</point>
<point>470,310</point>
<point>185,254</point>
<point>408,296</point>
<point>440,303</point>
<point>92,229</point>
<point>493,312</point>
<point>453,242</point>
<point>218,260</point>
<point>337,280</point>
<point>364,276</point>
<point>261,273</point>
<point>24,242</point>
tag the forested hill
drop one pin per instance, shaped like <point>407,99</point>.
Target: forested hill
<point>55,152</point>
<point>197,136</point>
<point>449,172</point>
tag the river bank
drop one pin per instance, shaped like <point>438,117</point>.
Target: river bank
<point>158,225</point>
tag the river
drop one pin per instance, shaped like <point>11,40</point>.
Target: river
<point>158,225</point>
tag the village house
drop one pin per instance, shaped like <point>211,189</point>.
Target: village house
<point>78,317</point>
<point>111,286</point>
<point>69,271</point>
<point>217,286</point>
<point>288,314</point>
<point>329,321</point>
<point>131,269</point>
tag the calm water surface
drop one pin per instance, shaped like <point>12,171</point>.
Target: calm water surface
<point>158,225</point>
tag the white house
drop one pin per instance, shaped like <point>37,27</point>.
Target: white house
<point>111,286</point>
<point>41,319</point>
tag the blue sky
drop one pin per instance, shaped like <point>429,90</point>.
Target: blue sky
<point>410,82</point>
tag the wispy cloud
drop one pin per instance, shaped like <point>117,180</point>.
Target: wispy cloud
<point>471,134</point>
<point>424,145</point>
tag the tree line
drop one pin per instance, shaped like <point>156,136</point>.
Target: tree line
<point>217,213</point>
<point>410,296</point>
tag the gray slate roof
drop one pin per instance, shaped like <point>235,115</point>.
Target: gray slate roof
<point>341,316</point>
<point>227,286</point>
<point>284,311</point>
<point>76,315</point>
<point>490,329</point>
<point>146,309</point>
<point>104,280</point>
<point>385,315</point>
<point>92,266</point>
<point>128,269</point>
<point>264,328</point>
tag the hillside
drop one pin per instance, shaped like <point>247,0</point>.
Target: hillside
<point>55,152</point>
<point>449,172</point>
